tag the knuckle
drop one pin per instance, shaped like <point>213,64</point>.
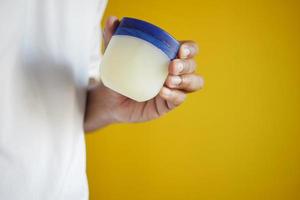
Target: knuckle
<point>192,45</point>
<point>186,82</point>
<point>184,64</point>
<point>179,61</point>
<point>189,65</point>
<point>174,66</point>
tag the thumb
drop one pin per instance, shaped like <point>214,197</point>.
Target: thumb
<point>110,26</point>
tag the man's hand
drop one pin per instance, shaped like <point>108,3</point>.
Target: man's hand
<point>105,106</point>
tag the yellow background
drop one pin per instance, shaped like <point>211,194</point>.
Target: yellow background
<point>239,138</point>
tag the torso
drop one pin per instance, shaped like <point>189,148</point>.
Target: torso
<point>45,50</point>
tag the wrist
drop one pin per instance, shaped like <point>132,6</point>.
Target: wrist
<point>97,113</point>
<point>92,125</point>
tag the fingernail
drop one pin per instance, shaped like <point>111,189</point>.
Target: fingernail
<point>202,82</point>
<point>179,67</point>
<point>176,80</point>
<point>166,92</point>
<point>186,52</point>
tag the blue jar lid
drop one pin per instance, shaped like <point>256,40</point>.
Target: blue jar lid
<point>150,33</point>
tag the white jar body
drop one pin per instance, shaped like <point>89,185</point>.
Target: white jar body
<point>134,67</point>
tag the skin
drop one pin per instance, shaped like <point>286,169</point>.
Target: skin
<point>105,106</point>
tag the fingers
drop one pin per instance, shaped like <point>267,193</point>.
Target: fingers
<point>161,105</point>
<point>188,49</point>
<point>186,82</point>
<point>173,97</point>
<point>180,66</point>
<point>110,26</point>
<point>182,77</point>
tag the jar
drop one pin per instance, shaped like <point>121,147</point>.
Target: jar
<point>135,62</point>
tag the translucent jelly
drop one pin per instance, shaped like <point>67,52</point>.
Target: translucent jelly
<point>135,63</point>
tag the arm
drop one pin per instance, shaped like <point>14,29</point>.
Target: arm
<point>105,106</point>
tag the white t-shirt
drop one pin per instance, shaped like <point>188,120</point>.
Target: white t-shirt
<point>47,50</point>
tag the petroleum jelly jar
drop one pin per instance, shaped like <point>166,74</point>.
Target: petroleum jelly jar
<point>135,62</point>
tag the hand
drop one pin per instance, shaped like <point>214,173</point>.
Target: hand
<point>105,106</point>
